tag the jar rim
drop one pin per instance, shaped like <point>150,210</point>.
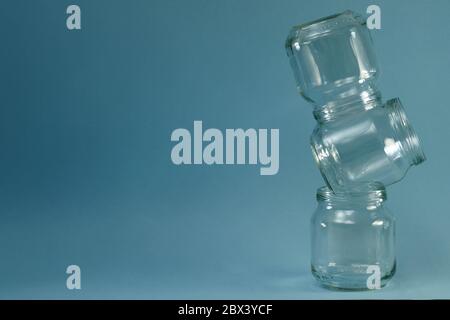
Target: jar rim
<point>372,192</point>
<point>324,25</point>
<point>411,142</point>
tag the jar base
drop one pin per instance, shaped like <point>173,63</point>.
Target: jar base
<point>351,278</point>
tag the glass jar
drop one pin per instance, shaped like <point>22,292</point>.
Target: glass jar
<point>333,60</point>
<point>353,239</point>
<point>357,147</point>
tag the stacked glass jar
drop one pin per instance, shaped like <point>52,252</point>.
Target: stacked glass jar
<point>360,144</point>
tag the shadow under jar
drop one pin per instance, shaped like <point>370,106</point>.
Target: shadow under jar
<point>353,237</point>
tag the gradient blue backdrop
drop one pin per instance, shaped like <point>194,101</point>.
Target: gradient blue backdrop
<point>85,171</point>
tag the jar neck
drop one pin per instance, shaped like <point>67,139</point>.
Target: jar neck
<point>351,204</point>
<point>368,196</point>
<point>348,102</point>
<point>410,142</point>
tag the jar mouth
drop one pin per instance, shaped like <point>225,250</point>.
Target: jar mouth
<point>319,27</point>
<point>410,140</point>
<point>366,99</point>
<point>369,193</point>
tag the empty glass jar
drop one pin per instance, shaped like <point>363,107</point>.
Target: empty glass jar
<point>358,138</point>
<point>333,61</point>
<point>353,239</point>
<point>358,147</point>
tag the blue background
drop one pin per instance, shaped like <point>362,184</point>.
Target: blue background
<point>85,171</point>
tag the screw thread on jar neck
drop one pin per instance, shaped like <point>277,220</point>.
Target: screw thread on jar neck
<point>372,194</point>
<point>352,101</point>
<point>410,140</point>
